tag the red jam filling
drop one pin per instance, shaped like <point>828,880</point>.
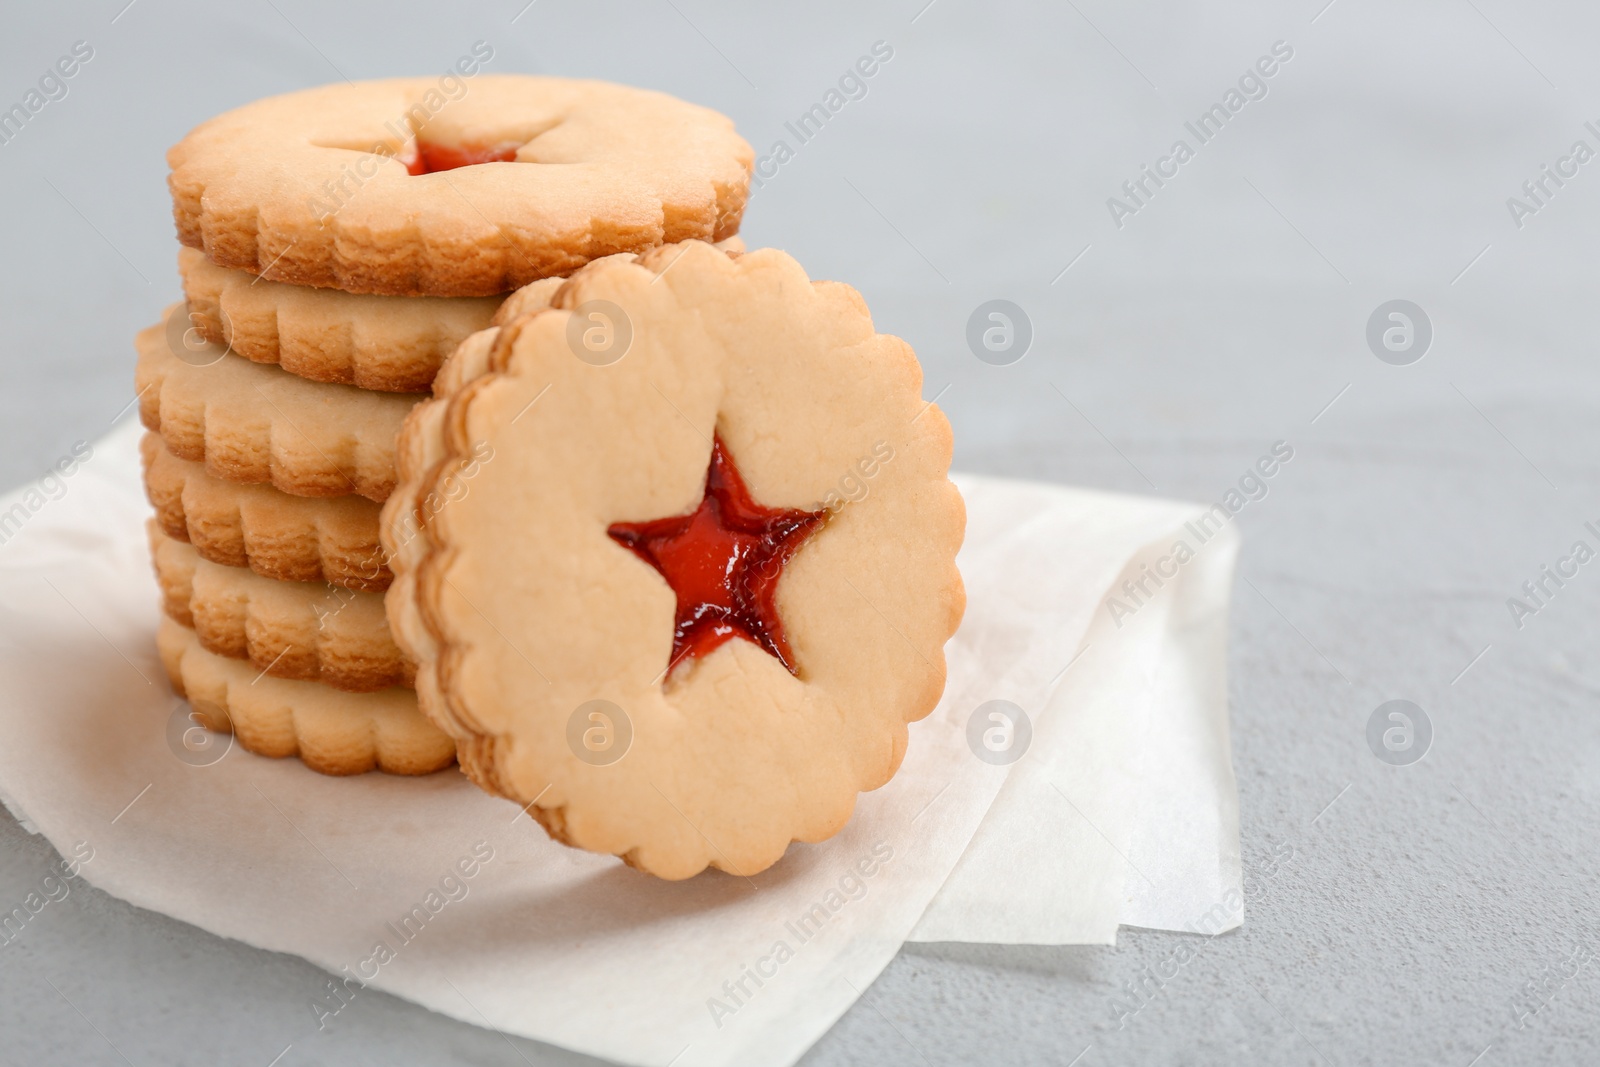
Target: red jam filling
<point>723,562</point>
<point>432,158</point>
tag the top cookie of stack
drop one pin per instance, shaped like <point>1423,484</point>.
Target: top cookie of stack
<point>351,236</point>
<point>378,187</point>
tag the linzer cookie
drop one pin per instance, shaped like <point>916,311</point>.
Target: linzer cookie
<point>653,616</point>
<point>371,188</point>
<point>289,538</point>
<point>331,731</point>
<point>310,631</point>
<point>252,423</point>
<point>389,343</point>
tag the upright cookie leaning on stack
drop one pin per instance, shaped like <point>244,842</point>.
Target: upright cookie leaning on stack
<point>687,606</point>
<point>339,243</point>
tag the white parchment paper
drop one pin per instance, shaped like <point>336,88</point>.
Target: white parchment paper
<point>1122,808</point>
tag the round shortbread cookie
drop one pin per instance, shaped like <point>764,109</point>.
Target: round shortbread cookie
<point>252,423</point>
<point>332,732</point>
<point>309,631</point>
<point>392,344</point>
<point>287,538</point>
<point>755,427</point>
<point>393,187</point>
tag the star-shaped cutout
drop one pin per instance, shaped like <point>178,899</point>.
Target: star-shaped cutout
<point>723,561</point>
<point>432,158</point>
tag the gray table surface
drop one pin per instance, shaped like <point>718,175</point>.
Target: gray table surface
<point>1421,902</point>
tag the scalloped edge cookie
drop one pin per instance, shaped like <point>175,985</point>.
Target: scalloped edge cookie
<point>473,675</point>
<point>308,631</point>
<point>278,536</point>
<point>332,732</point>
<point>391,344</point>
<point>315,187</point>
<point>252,423</point>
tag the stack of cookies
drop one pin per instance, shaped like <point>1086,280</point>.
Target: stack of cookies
<point>339,244</point>
<point>470,444</point>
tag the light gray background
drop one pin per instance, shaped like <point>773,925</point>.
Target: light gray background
<point>1224,316</point>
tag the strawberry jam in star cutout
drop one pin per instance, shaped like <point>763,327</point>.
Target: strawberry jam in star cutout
<point>432,158</point>
<point>723,561</point>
